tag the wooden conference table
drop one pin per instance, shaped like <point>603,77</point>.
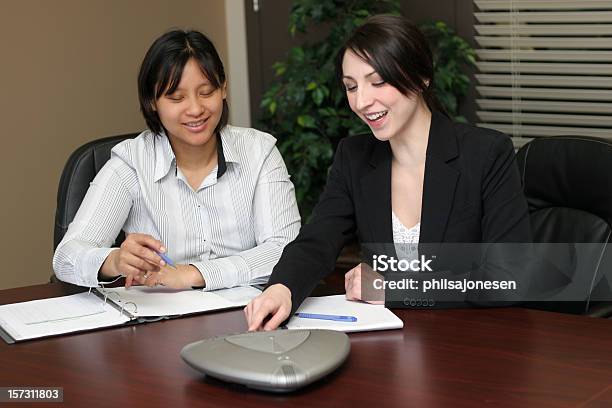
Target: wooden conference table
<point>442,358</point>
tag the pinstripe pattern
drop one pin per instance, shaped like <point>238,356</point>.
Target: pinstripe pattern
<point>233,228</point>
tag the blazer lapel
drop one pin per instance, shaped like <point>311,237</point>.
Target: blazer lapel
<point>376,193</point>
<point>440,179</point>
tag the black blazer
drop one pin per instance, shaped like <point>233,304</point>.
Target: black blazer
<point>472,193</point>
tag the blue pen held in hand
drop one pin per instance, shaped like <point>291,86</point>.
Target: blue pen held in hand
<point>167,260</point>
<point>335,318</point>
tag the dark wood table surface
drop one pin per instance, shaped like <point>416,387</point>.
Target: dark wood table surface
<point>509,357</point>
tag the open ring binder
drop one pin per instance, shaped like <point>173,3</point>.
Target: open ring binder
<point>88,310</point>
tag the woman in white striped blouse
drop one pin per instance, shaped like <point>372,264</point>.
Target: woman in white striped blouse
<point>214,198</point>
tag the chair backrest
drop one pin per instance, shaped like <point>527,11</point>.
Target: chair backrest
<point>567,181</point>
<point>80,169</point>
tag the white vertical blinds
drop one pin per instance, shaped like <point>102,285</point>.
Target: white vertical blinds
<point>545,67</point>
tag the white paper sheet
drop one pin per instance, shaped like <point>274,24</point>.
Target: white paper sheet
<point>369,317</point>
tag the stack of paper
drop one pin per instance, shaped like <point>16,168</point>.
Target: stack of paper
<point>368,317</point>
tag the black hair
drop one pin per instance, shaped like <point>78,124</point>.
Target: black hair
<point>399,53</point>
<point>162,68</point>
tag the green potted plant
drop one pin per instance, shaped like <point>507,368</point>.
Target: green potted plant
<point>306,109</point>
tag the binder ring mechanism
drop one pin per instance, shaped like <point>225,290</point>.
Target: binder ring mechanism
<point>130,307</point>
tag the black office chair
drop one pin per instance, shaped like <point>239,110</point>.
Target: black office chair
<point>80,169</point>
<point>567,181</point>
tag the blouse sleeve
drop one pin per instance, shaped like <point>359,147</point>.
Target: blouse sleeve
<point>99,220</point>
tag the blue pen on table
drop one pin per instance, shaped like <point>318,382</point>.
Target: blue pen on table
<point>335,318</point>
<point>167,260</point>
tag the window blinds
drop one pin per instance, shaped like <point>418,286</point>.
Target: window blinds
<point>544,67</point>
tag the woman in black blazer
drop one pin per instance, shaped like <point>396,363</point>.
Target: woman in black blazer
<point>418,174</point>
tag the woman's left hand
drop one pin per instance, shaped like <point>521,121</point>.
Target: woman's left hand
<point>183,277</point>
<point>359,285</point>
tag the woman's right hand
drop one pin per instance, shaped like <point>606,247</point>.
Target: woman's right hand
<point>359,285</point>
<point>275,302</point>
<point>134,258</point>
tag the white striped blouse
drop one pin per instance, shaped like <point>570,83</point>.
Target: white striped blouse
<point>233,228</point>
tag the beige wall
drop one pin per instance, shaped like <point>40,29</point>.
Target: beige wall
<point>237,63</point>
<point>68,70</point>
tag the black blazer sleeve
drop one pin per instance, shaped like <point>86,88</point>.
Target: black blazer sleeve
<point>312,255</point>
<point>505,216</point>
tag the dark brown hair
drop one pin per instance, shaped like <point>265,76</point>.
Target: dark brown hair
<point>399,53</point>
<point>162,68</point>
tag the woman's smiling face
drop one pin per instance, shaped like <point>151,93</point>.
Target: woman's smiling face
<point>383,107</point>
<point>191,113</point>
